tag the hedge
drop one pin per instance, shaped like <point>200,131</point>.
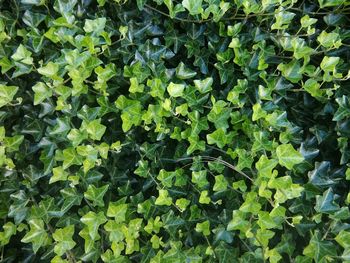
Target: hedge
<point>174,131</point>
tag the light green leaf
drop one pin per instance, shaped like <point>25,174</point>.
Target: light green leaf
<point>95,26</point>
<point>49,70</point>
<point>175,90</point>
<point>203,86</point>
<point>204,198</point>
<point>96,194</point>
<point>118,211</point>
<point>41,92</point>
<point>95,129</point>
<point>288,156</point>
<point>93,221</point>
<point>12,143</point>
<point>59,174</point>
<point>182,72</point>
<point>220,183</point>
<point>163,198</point>
<point>64,239</point>
<point>200,178</point>
<point>23,55</point>
<point>203,227</point>
<point>343,239</point>
<point>265,166</point>
<point>328,63</point>
<point>6,94</point>
<point>193,6</point>
<point>37,235</point>
<point>71,158</point>
<point>131,112</point>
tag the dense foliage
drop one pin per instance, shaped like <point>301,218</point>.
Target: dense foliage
<point>174,131</point>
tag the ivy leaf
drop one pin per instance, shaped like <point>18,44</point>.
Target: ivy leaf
<point>118,211</point>
<point>163,198</point>
<point>343,239</point>
<point>95,26</point>
<point>291,71</point>
<point>200,178</point>
<point>96,194</point>
<point>218,137</point>
<point>204,86</point>
<point>63,237</point>
<point>220,183</point>
<point>204,198</point>
<point>71,158</point>
<point>288,156</point>
<point>326,203</point>
<point>95,129</point>
<point>23,55</point>
<point>12,143</point>
<point>93,221</point>
<point>49,70</point>
<point>175,90</point>
<point>318,249</point>
<point>182,72</point>
<point>265,166</point>
<point>41,92</point>
<point>203,227</point>
<point>343,110</point>
<point>193,6</point>
<point>37,234</point>
<point>6,94</point>
<point>59,174</point>
<point>131,112</point>
<point>328,63</point>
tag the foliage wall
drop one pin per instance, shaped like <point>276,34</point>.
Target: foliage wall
<point>174,131</point>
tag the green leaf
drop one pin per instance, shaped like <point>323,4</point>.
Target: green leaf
<point>318,249</point>
<point>265,166</point>
<point>326,202</point>
<point>64,239</point>
<point>163,198</point>
<point>182,72</point>
<point>343,109</point>
<point>96,194</point>
<point>288,156</point>
<point>93,221</point>
<point>59,174</point>
<point>12,143</point>
<point>95,26</point>
<point>175,90</point>
<point>50,70</point>
<point>6,94</point>
<point>200,178</point>
<point>250,204</point>
<point>23,55</point>
<point>37,235</point>
<point>41,92</point>
<point>71,158</point>
<point>328,40</point>
<point>343,239</point>
<point>204,198</point>
<point>203,86</point>
<point>291,71</point>
<point>329,63</point>
<point>220,183</point>
<point>203,227</point>
<point>118,211</point>
<point>95,129</point>
<point>131,112</point>
<point>218,137</point>
<point>193,6</point>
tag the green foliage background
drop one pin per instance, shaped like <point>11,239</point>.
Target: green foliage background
<point>174,131</point>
